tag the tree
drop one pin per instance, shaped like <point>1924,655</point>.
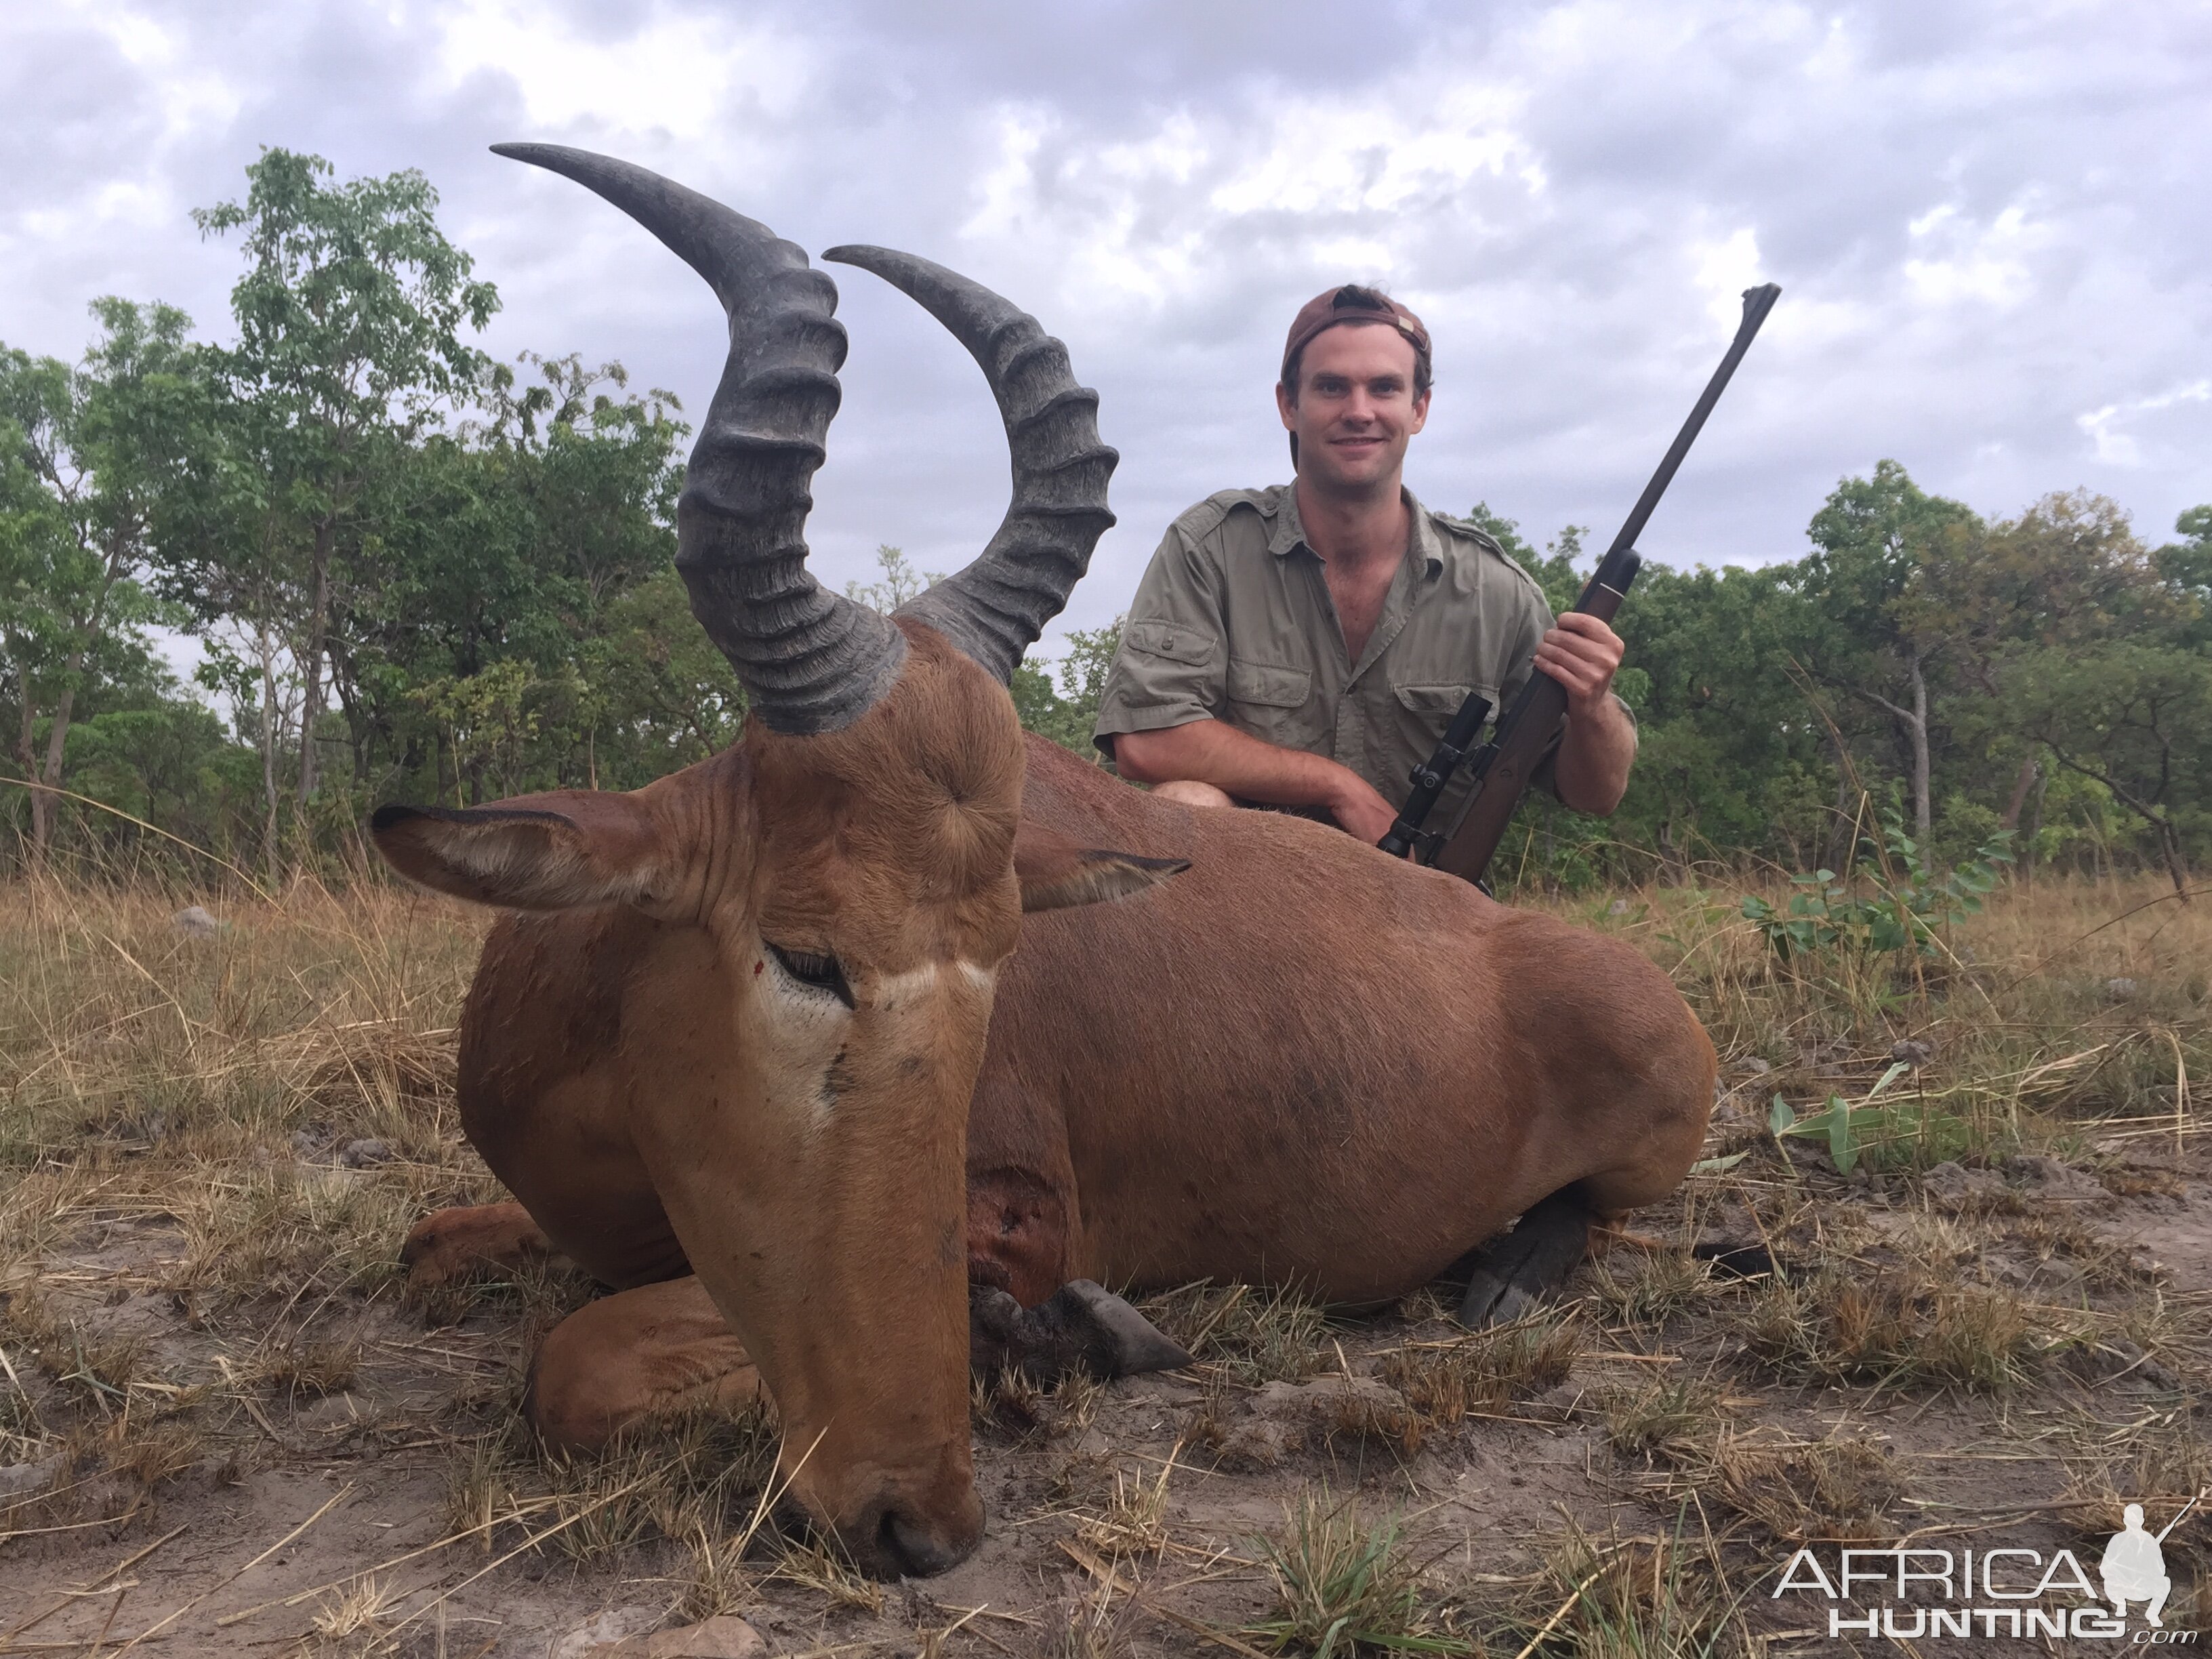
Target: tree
<point>1870,538</point>
<point>97,451</point>
<point>2133,717</point>
<point>1069,715</point>
<point>519,538</point>
<point>349,319</point>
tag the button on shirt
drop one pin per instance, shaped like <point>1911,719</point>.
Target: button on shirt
<point>1233,622</point>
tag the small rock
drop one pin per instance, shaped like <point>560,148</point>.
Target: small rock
<point>2120,1359</point>
<point>23,1479</point>
<point>2119,989</point>
<point>1910,1052</point>
<point>1954,1182</point>
<point>306,1143</point>
<point>1757,1066</point>
<point>1618,908</point>
<point>596,1635</point>
<point>360,1154</point>
<point>2056,1180</point>
<point>193,922</point>
<point>725,1636</point>
<point>1254,1445</point>
<point>1294,1399</point>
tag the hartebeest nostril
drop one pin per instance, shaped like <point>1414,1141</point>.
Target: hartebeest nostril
<point>914,1548</point>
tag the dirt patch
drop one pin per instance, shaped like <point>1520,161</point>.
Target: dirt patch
<point>224,1430</point>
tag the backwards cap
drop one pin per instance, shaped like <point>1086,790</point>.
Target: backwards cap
<point>1350,304</point>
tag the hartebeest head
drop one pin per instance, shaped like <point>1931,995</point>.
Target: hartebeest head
<point>832,898</point>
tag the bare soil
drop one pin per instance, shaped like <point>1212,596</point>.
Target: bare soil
<point>290,1500</point>
<point>225,1428</point>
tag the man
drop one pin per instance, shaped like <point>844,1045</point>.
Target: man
<point>1303,647</point>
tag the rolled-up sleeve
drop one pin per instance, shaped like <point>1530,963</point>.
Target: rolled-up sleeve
<point>1172,665</point>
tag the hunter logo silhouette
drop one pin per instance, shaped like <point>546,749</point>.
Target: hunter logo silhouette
<point>2134,1567</point>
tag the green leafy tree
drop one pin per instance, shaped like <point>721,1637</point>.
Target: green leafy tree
<point>1067,713</point>
<point>96,452</point>
<point>1853,631</point>
<point>350,320</point>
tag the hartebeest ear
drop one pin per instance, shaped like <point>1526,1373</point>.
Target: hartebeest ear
<point>563,852</point>
<point>1054,873</point>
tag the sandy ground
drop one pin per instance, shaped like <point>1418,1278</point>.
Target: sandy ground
<point>287,1501</point>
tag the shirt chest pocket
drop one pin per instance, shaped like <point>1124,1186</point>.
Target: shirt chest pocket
<point>1269,700</point>
<point>1426,710</point>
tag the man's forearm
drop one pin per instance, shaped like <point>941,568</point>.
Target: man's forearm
<point>1595,757</point>
<point>1248,767</point>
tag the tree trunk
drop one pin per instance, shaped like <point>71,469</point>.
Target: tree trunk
<point>311,705</point>
<point>2170,843</point>
<point>26,752</point>
<point>268,652</point>
<point>2034,829</point>
<point>1923,811</point>
<point>2024,781</point>
<point>45,801</point>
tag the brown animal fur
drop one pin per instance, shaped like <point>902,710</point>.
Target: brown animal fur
<point>1303,1063</point>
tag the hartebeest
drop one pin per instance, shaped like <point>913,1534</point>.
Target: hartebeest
<point>742,1039</point>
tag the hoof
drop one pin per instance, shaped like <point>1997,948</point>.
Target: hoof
<point>1080,1327</point>
<point>1512,1274</point>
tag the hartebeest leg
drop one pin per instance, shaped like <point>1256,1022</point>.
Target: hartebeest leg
<point>635,1354</point>
<point>1512,1273</point>
<point>450,1245</point>
<point>1080,1327</point>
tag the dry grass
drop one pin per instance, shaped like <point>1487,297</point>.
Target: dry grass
<point>1253,1334</point>
<point>1889,1327</point>
<point>184,1250</point>
<point>674,1480</point>
<point>1345,1585</point>
<point>1443,1381</point>
<point>1654,1596</point>
<point>1133,1520</point>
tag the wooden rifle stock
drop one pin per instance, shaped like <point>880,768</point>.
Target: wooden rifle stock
<point>1503,767</point>
<point>1503,771</point>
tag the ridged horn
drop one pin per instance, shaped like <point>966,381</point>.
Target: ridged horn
<point>810,660</point>
<point>995,608</point>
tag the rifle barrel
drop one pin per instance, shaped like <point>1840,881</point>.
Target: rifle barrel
<point>1525,733</point>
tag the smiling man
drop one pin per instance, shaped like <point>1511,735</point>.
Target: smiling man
<point>1303,647</point>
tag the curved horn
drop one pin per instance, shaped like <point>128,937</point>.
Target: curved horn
<point>995,608</point>
<point>810,660</point>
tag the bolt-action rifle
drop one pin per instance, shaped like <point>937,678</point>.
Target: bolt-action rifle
<point>1502,768</point>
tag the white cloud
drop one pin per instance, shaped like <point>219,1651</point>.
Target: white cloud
<point>1986,218</point>
<point>1967,261</point>
<point>2112,444</point>
<point>677,73</point>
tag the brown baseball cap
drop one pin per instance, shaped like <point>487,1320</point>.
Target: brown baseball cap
<point>1351,304</point>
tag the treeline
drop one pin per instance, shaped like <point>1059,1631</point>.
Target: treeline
<point>415,572</point>
<point>418,574</point>
<point>2037,687</point>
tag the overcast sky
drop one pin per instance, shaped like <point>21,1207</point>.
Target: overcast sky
<point>1990,222</point>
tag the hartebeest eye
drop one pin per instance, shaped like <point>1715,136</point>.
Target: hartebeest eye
<point>814,969</point>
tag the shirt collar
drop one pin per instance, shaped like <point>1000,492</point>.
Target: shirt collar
<point>1289,534</point>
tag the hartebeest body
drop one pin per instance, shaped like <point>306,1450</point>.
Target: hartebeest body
<point>746,1036</point>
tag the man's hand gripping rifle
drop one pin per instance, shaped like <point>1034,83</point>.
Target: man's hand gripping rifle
<point>1502,768</point>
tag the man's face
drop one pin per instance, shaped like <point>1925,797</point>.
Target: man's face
<point>1355,409</point>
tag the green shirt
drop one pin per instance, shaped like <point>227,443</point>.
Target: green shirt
<point>1233,622</point>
